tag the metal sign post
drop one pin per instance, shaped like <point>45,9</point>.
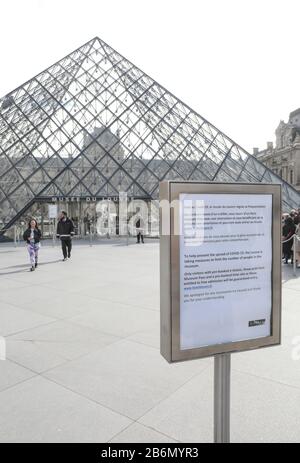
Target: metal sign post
<point>123,226</point>
<point>15,235</point>
<point>54,232</point>
<point>127,234</point>
<point>222,398</point>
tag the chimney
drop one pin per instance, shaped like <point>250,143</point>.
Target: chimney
<point>255,151</point>
<point>270,146</point>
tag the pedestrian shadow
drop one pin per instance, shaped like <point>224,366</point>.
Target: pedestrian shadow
<point>14,266</point>
<point>25,266</point>
<point>49,262</point>
<point>6,252</point>
<point>15,271</point>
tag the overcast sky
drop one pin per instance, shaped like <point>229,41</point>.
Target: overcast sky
<point>236,62</point>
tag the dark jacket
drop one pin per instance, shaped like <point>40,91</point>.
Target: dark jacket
<point>139,225</point>
<point>288,231</point>
<point>65,228</point>
<point>37,235</point>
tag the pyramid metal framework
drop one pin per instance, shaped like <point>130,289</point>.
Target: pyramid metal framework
<point>93,124</point>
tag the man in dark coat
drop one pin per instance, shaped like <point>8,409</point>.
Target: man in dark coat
<point>65,231</point>
<point>139,231</point>
<point>288,231</point>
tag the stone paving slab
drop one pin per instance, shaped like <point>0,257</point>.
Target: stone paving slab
<point>39,410</point>
<point>142,434</point>
<point>127,377</point>
<point>12,374</point>
<point>47,346</point>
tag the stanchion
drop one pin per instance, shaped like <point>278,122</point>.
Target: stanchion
<point>54,233</point>
<point>294,254</point>
<point>222,398</point>
<point>294,238</point>
<point>297,238</point>
<point>15,236</point>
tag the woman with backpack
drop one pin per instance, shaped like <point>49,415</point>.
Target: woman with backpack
<point>32,236</point>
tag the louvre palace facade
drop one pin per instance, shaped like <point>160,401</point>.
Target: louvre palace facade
<point>284,158</point>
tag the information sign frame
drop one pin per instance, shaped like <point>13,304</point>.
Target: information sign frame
<point>170,192</point>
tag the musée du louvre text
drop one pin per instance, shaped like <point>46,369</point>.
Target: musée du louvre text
<point>77,199</point>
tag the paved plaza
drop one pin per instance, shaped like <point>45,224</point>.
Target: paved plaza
<point>83,361</point>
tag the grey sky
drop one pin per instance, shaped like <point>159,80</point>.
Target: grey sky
<point>234,62</point>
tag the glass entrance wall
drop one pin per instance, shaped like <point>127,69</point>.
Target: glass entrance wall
<point>97,218</point>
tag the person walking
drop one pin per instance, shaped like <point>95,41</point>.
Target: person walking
<point>288,231</point>
<point>32,236</point>
<point>139,231</point>
<point>65,231</point>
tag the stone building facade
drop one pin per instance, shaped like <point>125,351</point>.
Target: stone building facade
<point>284,158</point>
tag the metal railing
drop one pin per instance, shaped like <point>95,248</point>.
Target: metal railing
<point>15,236</point>
<point>17,232</point>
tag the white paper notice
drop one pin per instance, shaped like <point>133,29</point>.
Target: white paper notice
<point>52,211</point>
<point>225,268</point>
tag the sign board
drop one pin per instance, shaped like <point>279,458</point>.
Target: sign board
<point>122,196</point>
<point>52,211</point>
<point>220,268</point>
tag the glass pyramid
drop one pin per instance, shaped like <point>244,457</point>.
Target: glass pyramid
<point>93,124</point>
